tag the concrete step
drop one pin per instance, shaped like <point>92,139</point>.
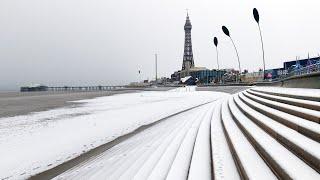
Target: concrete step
<point>282,161</point>
<point>297,93</point>
<point>201,165</point>
<point>303,147</point>
<point>248,161</point>
<point>314,105</point>
<point>303,126</point>
<point>223,165</point>
<point>305,113</point>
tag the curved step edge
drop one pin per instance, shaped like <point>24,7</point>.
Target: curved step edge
<point>300,145</point>
<point>282,161</point>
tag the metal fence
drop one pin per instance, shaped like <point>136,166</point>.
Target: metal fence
<point>305,70</point>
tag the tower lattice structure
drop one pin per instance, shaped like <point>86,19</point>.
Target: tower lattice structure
<point>188,61</point>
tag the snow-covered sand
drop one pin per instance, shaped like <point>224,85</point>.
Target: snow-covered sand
<point>33,143</point>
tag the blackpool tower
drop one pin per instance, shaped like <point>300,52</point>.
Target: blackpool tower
<point>188,62</point>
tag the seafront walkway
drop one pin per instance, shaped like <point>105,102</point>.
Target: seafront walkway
<point>258,133</point>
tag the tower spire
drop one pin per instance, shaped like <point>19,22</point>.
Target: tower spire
<point>188,61</point>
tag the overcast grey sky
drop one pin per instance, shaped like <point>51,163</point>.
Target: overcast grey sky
<point>90,42</point>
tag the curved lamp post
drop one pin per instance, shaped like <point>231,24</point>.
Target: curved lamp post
<point>257,18</point>
<point>226,32</point>
<point>215,41</point>
<point>139,76</point>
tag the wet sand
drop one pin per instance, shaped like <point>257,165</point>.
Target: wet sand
<point>20,103</point>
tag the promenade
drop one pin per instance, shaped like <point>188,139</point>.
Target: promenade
<point>253,133</point>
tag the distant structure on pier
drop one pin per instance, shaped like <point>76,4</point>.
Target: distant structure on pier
<point>34,87</point>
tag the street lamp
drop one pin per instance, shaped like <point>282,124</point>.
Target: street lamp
<point>257,18</point>
<point>215,41</point>
<point>139,76</point>
<point>226,32</point>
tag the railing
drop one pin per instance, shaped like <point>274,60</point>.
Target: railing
<point>298,72</point>
<point>305,70</point>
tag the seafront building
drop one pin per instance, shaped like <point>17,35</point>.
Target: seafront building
<point>207,76</point>
<point>290,68</point>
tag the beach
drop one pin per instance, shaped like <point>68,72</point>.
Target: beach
<point>21,103</point>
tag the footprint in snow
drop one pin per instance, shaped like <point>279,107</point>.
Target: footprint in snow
<point>36,168</point>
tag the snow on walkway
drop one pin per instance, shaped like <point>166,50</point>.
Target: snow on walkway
<point>33,143</point>
<point>161,143</point>
<point>198,135</point>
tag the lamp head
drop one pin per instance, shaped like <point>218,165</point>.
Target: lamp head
<point>256,15</point>
<point>226,31</point>
<point>215,40</point>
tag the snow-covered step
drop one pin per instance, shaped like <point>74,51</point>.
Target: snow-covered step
<point>303,126</point>
<point>283,162</point>
<point>305,148</point>
<point>201,165</point>
<point>136,153</point>
<point>305,113</point>
<point>116,157</point>
<point>143,157</point>
<point>151,163</point>
<point>137,164</point>
<point>160,171</point>
<point>314,105</point>
<point>223,165</point>
<point>180,166</point>
<point>125,158</point>
<point>118,163</point>
<point>298,93</point>
<point>250,165</point>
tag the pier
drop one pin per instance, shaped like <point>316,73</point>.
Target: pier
<point>85,88</point>
<point>69,88</point>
